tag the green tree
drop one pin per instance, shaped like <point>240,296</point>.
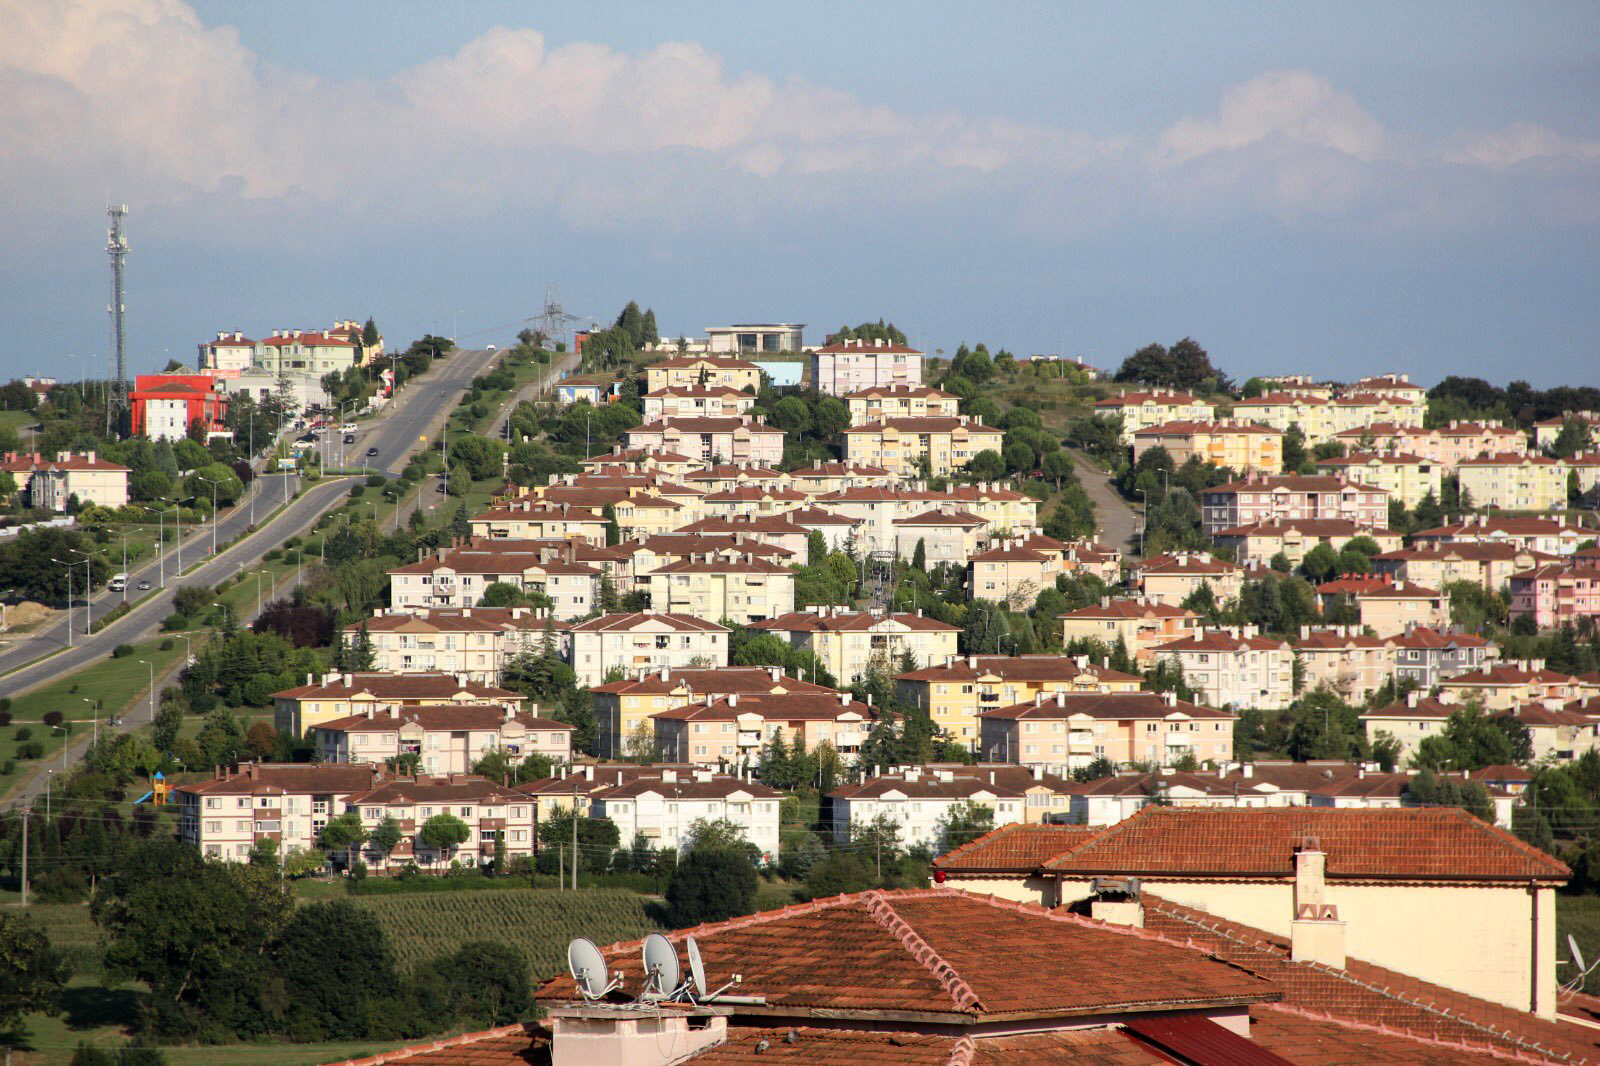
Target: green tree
<point>1428,790</point>
<point>1321,562</point>
<point>986,466</point>
<point>337,960</point>
<point>344,833</point>
<point>919,555</point>
<point>1473,739</point>
<point>386,835</point>
<point>711,885</point>
<point>963,823</point>
<point>32,973</point>
<point>443,833</point>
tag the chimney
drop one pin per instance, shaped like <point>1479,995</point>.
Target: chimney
<point>1316,933</point>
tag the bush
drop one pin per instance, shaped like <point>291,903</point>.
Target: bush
<point>53,718</point>
<point>8,768</point>
<point>5,703</point>
<point>24,733</point>
<point>5,718</point>
<point>31,750</point>
<point>122,651</point>
<point>357,491</point>
<point>174,622</point>
<point>166,644</point>
<point>272,556</point>
<point>192,599</point>
<point>376,481</point>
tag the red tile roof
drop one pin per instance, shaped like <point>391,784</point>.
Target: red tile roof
<point>1016,668</point>
<point>1444,844</point>
<point>852,347</point>
<point>1014,848</point>
<point>439,718</point>
<point>1111,706</point>
<point>397,687</point>
<point>853,621</point>
<point>613,623</point>
<point>725,679</point>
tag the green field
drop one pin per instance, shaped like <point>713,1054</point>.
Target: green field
<point>1580,916</point>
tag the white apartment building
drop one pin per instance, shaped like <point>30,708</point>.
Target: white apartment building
<point>460,576</point>
<point>844,367</point>
<point>492,812</point>
<point>288,803</point>
<point>644,641</point>
<point>754,338</point>
<point>51,483</point>
<point>474,642</point>
<point>340,695</point>
<point>742,590</point>
<point>917,799</point>
<point>664,809</point>
<point>848,643</point>
<point>1234,666</point>
<point>446,739</point>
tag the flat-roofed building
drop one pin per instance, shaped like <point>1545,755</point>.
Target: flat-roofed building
<point>1062,732</point>
<point>755,338</point>
<point>644,641</point>
<point>444,738</point>
<point>1235,666</point>
<point>849,644</point>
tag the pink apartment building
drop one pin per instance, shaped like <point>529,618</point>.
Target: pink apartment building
<point>728,439</point>
<point>1554,594</point>
<point>849,366</point>
<point>1289,496</point>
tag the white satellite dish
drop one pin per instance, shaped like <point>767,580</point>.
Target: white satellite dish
<point>1577,956</point>
<point>588,968</point>
<point>661,969</point>
<point>697,969</point>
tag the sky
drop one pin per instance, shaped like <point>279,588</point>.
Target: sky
<point>1334,189</point>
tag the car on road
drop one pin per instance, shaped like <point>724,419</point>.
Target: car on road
<point>144,586</point>
<point>488,347</point>
<point>349,438</point>
<point>372,451</point>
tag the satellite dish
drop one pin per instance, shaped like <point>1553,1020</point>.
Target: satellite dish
<point>588,969</point>
<point>661,969</point>
<point>1577,956</point>
<point>697,969</point>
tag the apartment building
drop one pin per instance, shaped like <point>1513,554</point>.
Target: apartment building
<point>1546,431</point>
<point>1254,500</point>
<point>1061,732</point>
<point>1232,442</point>
<point>238,807</point>
<point>879,508</point>
<point>1256,544</point>
<point>1512,682</point>
<point>1141,409</point>
<point>1428,656</point>
<point>848,644</point>
<point>901,445</point>
<point>1490,564</point>
<point>230,355</point>
<point>164,406</point>
<point>646,514</point>
<point>732,730</point>
<point>697,401</point>
<point>622,709</point>
<point>1445,446</point>
<point>444,738</point>
<point>956,692</point>
<point>639,557</point>
<point>1354,409</point>
<point>1388,606</point>
<point>1514,482</point>
<point>838,531</point>
<point>474,642</point>
<point>664,809</point>
<point>644,641</point>
<point>882,402</point>
<point>459,576</point>
<point>1312,414</point>
<point>309,351</point>
<point>640,461</point>
<point>820,477</point>
<point>1011,574</point>
<point>1553,594</point>
<point>341,695</point>
<point>1139,622</point>
<point>1405,477</point>
<point>743,590</point>
<point>1173,578</point>
<point>919,799</point>
<point>1234,666</point>
<point>751,501</point>
<point>742,438</point>
<point>528,519</point>
<point>1553,535</point>
<point>52,483</point>
<point>495,815</point>
<point>701,372</point>
<point>842,367</point>
<point>948,535</point>
<point>748,338</point>
<point>1560,733</point>
<point>1345,660</point>
<point>1409,721</point>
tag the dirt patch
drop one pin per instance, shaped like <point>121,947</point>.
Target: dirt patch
<point>26,616</point>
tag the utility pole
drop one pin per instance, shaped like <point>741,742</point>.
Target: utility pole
<point>117,249</point>
<point>25,813</point>
<point>574,835</point>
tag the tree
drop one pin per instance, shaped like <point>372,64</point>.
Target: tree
<point>337,960</point>
<point>386,835</point>
<point>32,974</point>
<point>1428,790</point>
<point>710,885</point>
<point>344,833</point>
<point>483,983</point>
<point>1183,366</point>
<point>986,466</point>
<point>443,833</point>
<point>964,822</point>
<point>503,594</point>
<point>719,834</point>
<point>27,564</point>
<point>1473,739</point>
<point>919,555</point>
<point>1057,466</point>
<point>816,548</point>
<point>1320,563</point>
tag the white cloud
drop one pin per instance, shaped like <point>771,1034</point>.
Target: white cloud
<point>1292,105</point>
<point>1516,143</point>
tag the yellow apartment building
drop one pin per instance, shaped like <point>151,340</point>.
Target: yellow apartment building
<point>956,693</point>
<point>900,401</point>
<point>1515,482</point>
<point>702,372</point>
<point>1405,477</point>
<point>745,589</point>
<point>1236,443</point>
<point>899,444</point>
<point>1145,408</point>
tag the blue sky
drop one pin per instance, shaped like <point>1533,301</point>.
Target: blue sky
<point>1336,189</point>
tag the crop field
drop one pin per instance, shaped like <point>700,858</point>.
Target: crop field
<point>537,922</point>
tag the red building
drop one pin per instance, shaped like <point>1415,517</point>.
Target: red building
<point>166,405</point>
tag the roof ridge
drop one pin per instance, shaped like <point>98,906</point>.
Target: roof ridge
<point>1421,1038</point>
<point>885,915</point>
<point>440,1044</point>
<point>962,1052</point>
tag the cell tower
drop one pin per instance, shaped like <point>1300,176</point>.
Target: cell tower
<point>551,323</point>
<point>117,249</point>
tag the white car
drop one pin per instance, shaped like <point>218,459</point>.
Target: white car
<point>489,348</point>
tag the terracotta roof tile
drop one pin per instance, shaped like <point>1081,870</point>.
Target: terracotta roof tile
<point>1018,847</point>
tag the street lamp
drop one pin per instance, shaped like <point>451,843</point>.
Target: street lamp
<point>299,557</point>
<point>213,485</point>
<point>146,662</point>
<point>88,588</point>
<point>96,705</point>
<point>69,567</point>
<point>124,566</point>
<point>1144,517</point>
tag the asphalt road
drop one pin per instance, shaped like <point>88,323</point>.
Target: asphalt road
<point>1118,520</point>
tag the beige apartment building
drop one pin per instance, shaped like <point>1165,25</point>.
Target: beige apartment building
<point>1557,535</point>
<point>1232,442</point>
<point>640,557</point>
<point>1011,574</point>
<point>743,590</point>
<point>751,501</point>
<point>1171,579</point>
<point>495,816</point>
<point>948,534</point>
<point>1140,623</point>
<point>226,816</point>
<point>879,508</point>
<point>957,692</point>
<point>900,401</point>
<point>1255,545</point>
<point>533,520</point>
<point>646,514</point>
<point>1141,409</point>
<point>319,700</point>
<point>1281,409</point>
<point>744,438</point>
<point>778,531</point>
<point>731,731</point>
<point>1409,721</point>
<point>1061,732</point>
<point>1446,445</point>
<point>1511,683</point>
<point>820,477</point>
<point>1488,564</point>
<point>445,739</point>
<point>848,644</point>
<point>644,641</point>
<point>458,577</point>
<point>1345,660</point>
<point>1545,432</point>
<point>1515,482</point>
<point>1355,409</point>
<point>702,371</point>
<point>622,709</point>
<point>1234,666</point>
<point>683,401</point>
<point>1388,607</point>
<point>474,642</point>
<point>1405,477</point>
<point>899,445</point>
<point>52,483</point>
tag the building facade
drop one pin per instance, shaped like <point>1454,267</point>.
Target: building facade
<point>843,367</point>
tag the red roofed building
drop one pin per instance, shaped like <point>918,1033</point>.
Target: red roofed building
<point>496,817</point>
<point>1555,593</point>
<point>622,709</point>
<point>1063,731</point>
<point>644,641</point>
<point>445,738</point>
<point>848,644</point>
<point>842,367</point>
<point>1234,666</point>
<point>1388,606</point>
<point>166,405</point>
<point>1140,622</point>
<point>226,815</point>
<point>1292,496</point>
<point>314,352</point>
<point>52,483</point>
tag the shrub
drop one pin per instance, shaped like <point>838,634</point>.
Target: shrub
<point>8,768</point>
<point>53,718</point>
<point>5,718</point>
<point>166,644</point>
<point>5,703</point>
<point>122,651</point>
<point>376,481</point>
<point>272,556</point>
<point>357,491</point>
<point>24,733</point>
<point>31,750</point>
<point>175,621</point>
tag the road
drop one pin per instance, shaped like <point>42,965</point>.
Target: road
<point>1118,520</point>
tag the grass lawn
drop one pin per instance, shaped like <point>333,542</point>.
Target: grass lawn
<point>117,684</point>
<point>1580,916</point>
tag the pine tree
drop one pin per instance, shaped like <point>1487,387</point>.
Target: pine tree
<point>613,530</point>
<point>362,656</point>
<point>919,555</point>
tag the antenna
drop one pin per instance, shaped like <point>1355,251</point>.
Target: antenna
<point>588,969</point>
<point>661,970</point>
<point>697,971</point>
<point>1575,982</point>
<point>1577,956</point>
<point>117,249</point>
